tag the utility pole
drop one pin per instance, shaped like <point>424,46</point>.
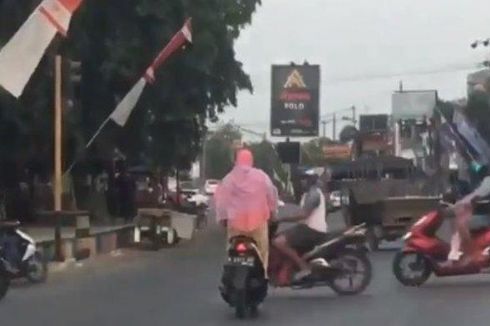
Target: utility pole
<point>324,128</point>
<point>334,126</point>
<point>354,115</point>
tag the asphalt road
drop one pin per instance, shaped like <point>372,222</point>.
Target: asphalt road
<point>179,287</point>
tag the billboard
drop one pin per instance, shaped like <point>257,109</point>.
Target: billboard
<point>373,123</point>
<point>295,100</point>
<point>413,104</point>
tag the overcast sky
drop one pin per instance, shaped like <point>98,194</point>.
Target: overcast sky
<point>364,47</point>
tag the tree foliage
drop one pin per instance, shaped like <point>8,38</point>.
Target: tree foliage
<point>219,152</point>
<point>115,41</point>
<point>348,133</point>
<point>312,152</point>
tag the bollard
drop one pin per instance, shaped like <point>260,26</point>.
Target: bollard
<point>82,227</point>
<point>82,236</point>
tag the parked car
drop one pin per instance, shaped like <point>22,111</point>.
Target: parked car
<point>210,186</point>
<point>192,195</point>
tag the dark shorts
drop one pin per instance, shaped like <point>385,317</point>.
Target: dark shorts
<point>303,238</point>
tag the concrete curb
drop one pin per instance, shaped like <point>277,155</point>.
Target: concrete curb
<point>109,241</point>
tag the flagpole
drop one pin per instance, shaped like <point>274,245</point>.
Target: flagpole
<point>58,181</point>
<point>57,136</point>
<point>98,132</point>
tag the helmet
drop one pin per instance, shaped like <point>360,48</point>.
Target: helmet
<point>311,176</point>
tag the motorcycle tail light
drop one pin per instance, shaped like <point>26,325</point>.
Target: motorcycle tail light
<point>241,247</point>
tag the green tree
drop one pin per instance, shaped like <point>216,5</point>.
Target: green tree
<point>115,41</point>
<point>267,159</point>
<point>219,153</point>
<point>118,42</point>
<point>348,133</point>
<point>312,152</point>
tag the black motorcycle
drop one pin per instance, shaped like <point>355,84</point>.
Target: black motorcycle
<point>339,262</point>
<point>244,285</point>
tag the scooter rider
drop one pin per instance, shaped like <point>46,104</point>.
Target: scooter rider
<point>311,227</point>
<point>245,200</point>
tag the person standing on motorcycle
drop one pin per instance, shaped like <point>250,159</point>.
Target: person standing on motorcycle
<point>463,210</point>
<point>245,201</point>
<point>310,229</point>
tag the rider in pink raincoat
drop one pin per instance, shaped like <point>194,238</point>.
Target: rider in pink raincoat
<point>245,200</point>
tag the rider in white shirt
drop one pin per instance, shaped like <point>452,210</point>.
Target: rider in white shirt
<point>311,228</point>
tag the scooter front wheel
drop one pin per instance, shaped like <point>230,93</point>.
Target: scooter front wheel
<point>411,268</point>
<point>37,269</point>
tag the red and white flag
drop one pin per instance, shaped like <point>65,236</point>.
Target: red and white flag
<point>123,110</point>
<point>23,52</point>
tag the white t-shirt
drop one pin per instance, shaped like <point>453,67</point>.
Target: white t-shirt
<point>314,201</point>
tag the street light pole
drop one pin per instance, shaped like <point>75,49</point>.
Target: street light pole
<point>324,128</point>
<point>354,115</point>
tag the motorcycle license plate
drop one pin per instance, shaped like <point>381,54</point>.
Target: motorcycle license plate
<point>242,261</point>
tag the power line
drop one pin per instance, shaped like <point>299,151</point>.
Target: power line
<point>443,69</point>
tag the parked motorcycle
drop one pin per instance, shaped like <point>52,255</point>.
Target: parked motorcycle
<point>339,262</point>
<point>30,263</point>
<point>424,253</point>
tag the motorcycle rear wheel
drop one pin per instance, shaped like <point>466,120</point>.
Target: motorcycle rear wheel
<point>422,264</point>
<point>241,308</point>
<point>345,260</point>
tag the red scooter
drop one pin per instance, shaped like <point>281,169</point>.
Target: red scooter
<point>424,253</point>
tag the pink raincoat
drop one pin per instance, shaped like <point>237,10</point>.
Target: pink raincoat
<point>246,197</point>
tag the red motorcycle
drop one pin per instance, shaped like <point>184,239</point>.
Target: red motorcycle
<point>424,253</point>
